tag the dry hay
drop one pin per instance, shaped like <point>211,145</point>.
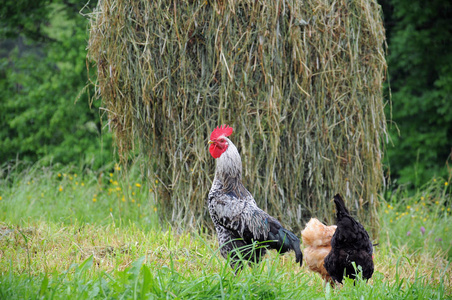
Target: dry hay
<point>299,81</point>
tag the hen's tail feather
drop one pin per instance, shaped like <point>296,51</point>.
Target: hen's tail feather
<point>285,241</point>
<point>340,205</point>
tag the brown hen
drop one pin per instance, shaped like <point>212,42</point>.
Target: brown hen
<point>317,238</point>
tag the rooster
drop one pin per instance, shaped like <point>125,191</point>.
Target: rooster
<point>350,243</point>
<point>317,238</point>
<point>238,220</point>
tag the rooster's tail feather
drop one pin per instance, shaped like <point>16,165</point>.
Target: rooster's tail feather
<point>285,241</point>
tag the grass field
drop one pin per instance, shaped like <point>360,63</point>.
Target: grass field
<point>67,233</point>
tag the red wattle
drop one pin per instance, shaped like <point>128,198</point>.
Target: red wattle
<point>216,151</point>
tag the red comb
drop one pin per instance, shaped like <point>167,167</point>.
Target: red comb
<point>222,130</point>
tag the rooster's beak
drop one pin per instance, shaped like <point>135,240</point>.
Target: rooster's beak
<point>209,142</point>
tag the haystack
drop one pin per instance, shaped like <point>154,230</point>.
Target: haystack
<point>299,81</point>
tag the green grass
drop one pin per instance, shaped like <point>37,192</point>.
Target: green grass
<point>420,221</point>
<point>63,239</point>
<point>69,195</point>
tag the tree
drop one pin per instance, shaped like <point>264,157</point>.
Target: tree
<point>45,111</point>
<point>420,71</point>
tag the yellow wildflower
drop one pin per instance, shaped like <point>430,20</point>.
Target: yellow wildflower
<point>1,198</point>
<point>422,198</point>
<point>133,193</point>
<point>446,183</point>
<point>156,181</point>
<point>111,174</point>
<point>138,204</point>
<point>408,207</point>
<point>94,199</point>
<point>83,184</point>
<point>111,209</point>
<point>137,185</point>
<point>60,188</point>
<point>133,200</point>
<point>123,199</point>
<point>436,202</point>
<point>386,211</point>
<point>59,174</point>
<point>155,209</point>
<point>448,209</point>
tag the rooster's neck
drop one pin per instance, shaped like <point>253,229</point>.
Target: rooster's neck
<point>229,173</point>
<point>229,164</point>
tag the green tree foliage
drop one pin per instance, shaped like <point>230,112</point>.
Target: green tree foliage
<point>45,112</point>
<point>420,75</point>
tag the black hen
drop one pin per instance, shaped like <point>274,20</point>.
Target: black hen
<point>238,220</point>
<point>350,243</point>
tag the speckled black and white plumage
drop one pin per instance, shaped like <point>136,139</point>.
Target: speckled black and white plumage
<point>237,218</point>
<point>350,243</point>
